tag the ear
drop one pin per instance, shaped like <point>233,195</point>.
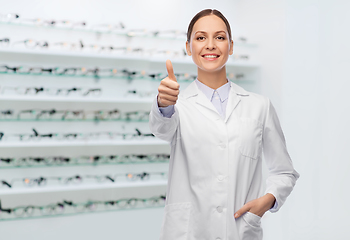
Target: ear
<point>231,47</point>
<point>188,49</point>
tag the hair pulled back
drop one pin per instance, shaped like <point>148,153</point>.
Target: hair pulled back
<point>207,12</point>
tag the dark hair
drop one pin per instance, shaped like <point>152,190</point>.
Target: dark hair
<point>207,12</point>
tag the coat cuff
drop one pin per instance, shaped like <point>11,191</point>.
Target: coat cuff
<point>275,207</point>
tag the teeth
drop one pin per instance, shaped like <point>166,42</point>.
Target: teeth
<point>210,56</point>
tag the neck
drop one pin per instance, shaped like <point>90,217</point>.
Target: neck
<point>213,80</point>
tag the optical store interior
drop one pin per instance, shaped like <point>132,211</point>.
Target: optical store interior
<point>77,81</point>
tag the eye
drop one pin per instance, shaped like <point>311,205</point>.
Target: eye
<point>200,38</point>
<point>222,38</point>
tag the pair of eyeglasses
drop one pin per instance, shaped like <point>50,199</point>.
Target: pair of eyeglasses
<point>69,46</point>
<point>179,76</point>
<point>26,70</point>
<point>54,23</point>
<point>140,93</point>
<point>30,210</point>
<point>30,113</point>
<point>42,181</point>
<point>7,114</point>
<point>30,182</point>
<point>4,183</point>
<point>31,43</point>
<point>8,17</point>
<point>36,136</point>
<point>35,161</point>
<point>108,27</point>
<point>134,202</point>
<point>4,41</point>
<point>144,175</point>
<point>72,207</point>
<point>138,134</point>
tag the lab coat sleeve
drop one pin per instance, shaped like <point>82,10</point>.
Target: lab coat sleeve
<point>161,126</point>
<point>282,175</point>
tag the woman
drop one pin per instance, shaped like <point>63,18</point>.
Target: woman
<point>217,132</point>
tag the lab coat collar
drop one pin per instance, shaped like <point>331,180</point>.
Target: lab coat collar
<point>192,90</point>
<point>236,92</point>
<point>222,91</point>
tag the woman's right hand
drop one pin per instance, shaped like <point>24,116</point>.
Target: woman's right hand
<point>168,89</point>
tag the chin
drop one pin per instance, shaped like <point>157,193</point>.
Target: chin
<point>212,68</point>
<point>208,66</point>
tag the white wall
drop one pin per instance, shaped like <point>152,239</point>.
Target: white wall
<point>306,47</point>
<point>316,115</point>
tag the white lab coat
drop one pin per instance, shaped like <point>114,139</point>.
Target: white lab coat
<point>216,164</point>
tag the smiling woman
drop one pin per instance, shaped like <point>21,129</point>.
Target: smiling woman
<point>209,42</point>
<point>218,131</point>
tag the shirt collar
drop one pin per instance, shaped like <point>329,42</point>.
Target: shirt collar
<point>223,91</point>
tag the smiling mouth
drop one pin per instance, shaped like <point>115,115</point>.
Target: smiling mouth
<point>211,56</point>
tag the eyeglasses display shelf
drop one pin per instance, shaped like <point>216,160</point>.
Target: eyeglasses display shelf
<point>5,52</point>
<point>77,143</point>
<point>46,112</point>
<point>68,99</point>
<point>81,187</point>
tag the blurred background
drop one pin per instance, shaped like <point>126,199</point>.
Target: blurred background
<point>77,79</point>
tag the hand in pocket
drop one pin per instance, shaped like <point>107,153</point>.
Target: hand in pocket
<point>257,206</point>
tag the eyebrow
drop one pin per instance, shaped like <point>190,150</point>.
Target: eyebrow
<point>206,32</point>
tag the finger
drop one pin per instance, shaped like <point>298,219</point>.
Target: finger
<point>169,68</point>
<point>167,97</point>
<point>170,83</point>
<point>241,211</point>
<point>166,102</point>
<point>168,91</point>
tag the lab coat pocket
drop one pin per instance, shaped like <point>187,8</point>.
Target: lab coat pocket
<point>251,229</point>
<point>250,137</point>
<point>176,221</point>
<point>252,219</point>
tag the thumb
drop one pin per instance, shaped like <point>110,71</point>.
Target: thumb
<point>241,211</point>
<point>169,68</point>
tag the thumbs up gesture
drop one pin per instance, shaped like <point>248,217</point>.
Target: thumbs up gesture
<point>168,89</point>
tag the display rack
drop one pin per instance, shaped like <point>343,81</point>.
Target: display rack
<point>123,32</point>
<point>113,97</point>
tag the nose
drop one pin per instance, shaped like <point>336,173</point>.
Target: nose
<point>210,44</point>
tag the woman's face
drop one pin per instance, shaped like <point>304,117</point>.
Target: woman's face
<point>209,44</point>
